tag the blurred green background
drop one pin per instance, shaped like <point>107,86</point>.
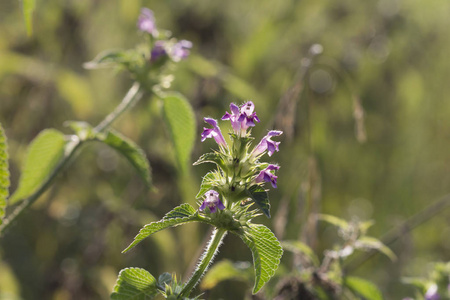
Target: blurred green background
<point>389,57</point>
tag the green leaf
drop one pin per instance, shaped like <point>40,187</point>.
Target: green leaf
<point>4,173</point>
<point>44,153</point>
<point>136,284</point>
<point>130,151</point>
<point>207,183</point>
<point>301,248</point>
<point>260,196</point>
<point>179,215</point>
<point>180,120</point>
<point>367,242</point>
<point>212,157</point>
<point>226,270</point>
<point>28,9</point>
<point>83,130</point>
<point>266,251</point>
<point>108,58</point>
<point>338,222</point>
<point>363,288</point>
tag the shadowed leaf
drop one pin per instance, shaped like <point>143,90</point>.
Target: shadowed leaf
<point>260,196</point>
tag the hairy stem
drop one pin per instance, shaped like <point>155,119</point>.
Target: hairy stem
<point>132,96</point>
<point>207,258</point>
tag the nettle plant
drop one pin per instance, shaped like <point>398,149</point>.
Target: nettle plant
<point>227,199</point>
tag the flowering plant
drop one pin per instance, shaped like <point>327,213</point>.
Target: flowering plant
<point>228,194</point>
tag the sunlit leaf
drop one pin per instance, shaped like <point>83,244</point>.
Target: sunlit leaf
<point>44,153</point>
<point>212,157</point>
<point>266,251</point>
<point>108,58</point>
<point>367,242</point>
<point>363,288</point>
<point>134,283</point>
<point>207,183</point>
<point>260,196</point>
<point>226,270</point>
<point>28,9</point>
<point>131,152</point>
<point>180,120</point>
<point>301,248</point>
<point>4,173</point>
<point>179,215</point>
<point>338,222</point>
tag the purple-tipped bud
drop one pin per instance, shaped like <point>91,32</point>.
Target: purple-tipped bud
<point>213,132</point>
<point>146,22</point>
<point>267,144</point>
<point>248,116</point>
<point>181,50</point>
<point>432,293</point>
<point>158,51</point>
<point>212,201</point>
<point>268,176</point>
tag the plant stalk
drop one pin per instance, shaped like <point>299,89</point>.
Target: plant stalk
<point>207,258</point>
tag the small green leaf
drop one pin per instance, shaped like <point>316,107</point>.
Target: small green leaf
<point>164,279</point>
<point>338,222</point>
<point>28,9</point>
<point>207,183</point>
<point>130,151</point>
<point>180,120</point>
<point>301,248</point>
<point>4,173</point>
<point>367,242</point>
<point>226,270</point>
<point>108,58</point>
<point>260,196</point>
<point>266,251</point>
<point>179,215</point>
<point>134,283</point>
<point>212,157</point>
<point>363,288</point>
<point>44,153</point>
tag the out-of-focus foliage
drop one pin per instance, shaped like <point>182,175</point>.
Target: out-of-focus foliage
<point>383,72</point>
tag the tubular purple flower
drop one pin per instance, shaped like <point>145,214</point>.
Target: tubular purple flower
<point>248,117</point>
<point>181,50</point>
<point>233,117</point>
<point>268,176</point>
<point>146,22</point>
<point>267,144</point>
<point>158,51</point>
<point>212,201</point>
<point>432,293</point>
<point>213,132</point>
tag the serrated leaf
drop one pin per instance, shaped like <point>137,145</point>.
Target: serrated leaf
<point>226,270</point>
<point>136,284</point>
<point>338,222</point>
<point>301,248</point>
<point>212,157</point>
<point>260,196</point>
<point>179,215</point>
<point>180,120</point>
<point>4,173</point>
<point>266,252</point>
<point>367,242</point>
<point>44,153</point>
<point>131,152</point>
<point>363,288</point>
<point>207,183</point>
<point>28,9</point>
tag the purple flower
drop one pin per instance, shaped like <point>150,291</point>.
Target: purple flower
<point>267,144</point>
<point>248,117</point>
<point>146,22</point>
<point>158,51</point>
<point>432,293</point>
<point>181,50</point>
<point>213,132</point>
<point>268,176</point>
<point>212,201</point>
<point>233,117</point>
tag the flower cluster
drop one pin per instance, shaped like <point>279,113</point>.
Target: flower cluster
<point>162,48</point>
<point>240,175</point>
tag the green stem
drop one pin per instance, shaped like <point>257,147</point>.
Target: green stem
<point>205,261</point>
<point>133,95</point>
